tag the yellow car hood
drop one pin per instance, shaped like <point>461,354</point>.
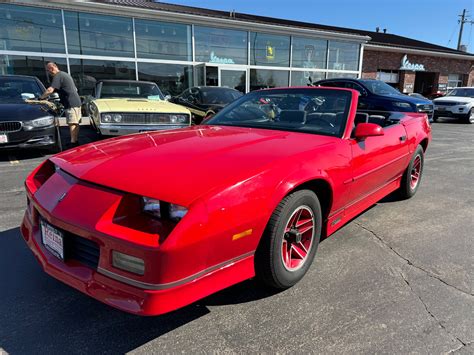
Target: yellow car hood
<point>138,105</point>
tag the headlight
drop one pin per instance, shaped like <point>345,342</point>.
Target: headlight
<point>39,122</point>
<point>402,104</point>
<point>107,118</point>
<point>179,119</point>
<point>165,210</point>
<point>117,118</point>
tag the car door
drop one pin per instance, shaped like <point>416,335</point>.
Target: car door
<point>377,161</point>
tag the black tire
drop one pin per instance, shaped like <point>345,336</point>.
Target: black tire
<point>58,146</point>
<point>270,267</point>
<point>469,119</point>
<point>435,118</point>
<point>409,186</point>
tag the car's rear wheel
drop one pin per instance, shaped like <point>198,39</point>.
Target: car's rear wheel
<point>290,240</point>
<point>412,177</point>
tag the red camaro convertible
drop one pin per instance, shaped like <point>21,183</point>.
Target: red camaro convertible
<point>151,222</point>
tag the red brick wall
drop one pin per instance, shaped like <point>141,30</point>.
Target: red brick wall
<point>376,60</point>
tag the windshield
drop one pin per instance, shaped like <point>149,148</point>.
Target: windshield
<point>16,90</point>
<point>380,88</point>
<point>219,96</point>
<point>135,90</point>
<point>319,111</point>
<point>464,92</point>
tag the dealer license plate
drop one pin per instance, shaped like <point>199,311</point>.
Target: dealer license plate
<point>53,239</point>
<point>3,138</point>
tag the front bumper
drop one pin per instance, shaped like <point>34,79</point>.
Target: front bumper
<point>452,111</point>
<point>117,130</point>
<point>38,138</point>
<point>162,289</point>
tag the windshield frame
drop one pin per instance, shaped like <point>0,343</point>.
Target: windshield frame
<point>99,93</point>
<point>462,88</point>
<point>368,85</point>
<point>220,118</point>
<point>19,79</point>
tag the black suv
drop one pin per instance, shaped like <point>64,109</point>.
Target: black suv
<point>24,124</point>
<point>377,97</point>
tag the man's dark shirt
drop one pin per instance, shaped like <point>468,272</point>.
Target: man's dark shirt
<point>67,91</point>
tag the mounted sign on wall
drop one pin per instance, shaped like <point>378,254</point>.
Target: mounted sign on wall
<point>406,65</point>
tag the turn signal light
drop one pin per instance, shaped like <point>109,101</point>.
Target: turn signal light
<point>128,263</point>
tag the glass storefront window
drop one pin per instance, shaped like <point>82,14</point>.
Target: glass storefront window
<point>269,50</point>
<point>87,72</point>
<point>91,34</point>
<point>162,40</point>
<point>31,29</point>
<point>264,79</point>
<point>172,79</point>
<point>221,46</point>
<point>302,78</point>
<point>454,80</point>
<point>34,66</point>
<point>343,55</point>
<point>341,75</point>
<point>309,53</point>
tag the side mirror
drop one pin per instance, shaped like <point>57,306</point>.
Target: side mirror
<point>167,97</point>
<point>364,130</point>
<point>53,97</point>
<point>363,93</point>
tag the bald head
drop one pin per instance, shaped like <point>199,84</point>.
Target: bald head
<point>52,68</point>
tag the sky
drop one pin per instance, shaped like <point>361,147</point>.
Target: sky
<point>433,21</point>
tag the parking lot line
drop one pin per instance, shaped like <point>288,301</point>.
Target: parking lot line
<point>13,160</point>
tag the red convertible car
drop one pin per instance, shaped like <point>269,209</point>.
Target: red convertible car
<point>152,222</point>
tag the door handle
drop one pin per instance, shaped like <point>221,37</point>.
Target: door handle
<point>403,138</point>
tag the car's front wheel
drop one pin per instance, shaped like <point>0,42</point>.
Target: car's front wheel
<point>290,240</point>
<point>469,117</point>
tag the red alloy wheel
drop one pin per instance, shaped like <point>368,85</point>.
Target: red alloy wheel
<point>298,238</point>
<point>415,172</point>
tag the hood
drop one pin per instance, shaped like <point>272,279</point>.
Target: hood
<point>453,99</point>
<point>409,99</point>
<point>138,105</point>
<point>22,111</point>
<point>179,166</point>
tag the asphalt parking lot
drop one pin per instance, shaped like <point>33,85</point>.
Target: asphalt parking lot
<point>397,279</point>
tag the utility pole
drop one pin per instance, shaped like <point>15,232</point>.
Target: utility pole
<point>462,21</point>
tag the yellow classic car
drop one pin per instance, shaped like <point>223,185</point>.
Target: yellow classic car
<point>125,106</point>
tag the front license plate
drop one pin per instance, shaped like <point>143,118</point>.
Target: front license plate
<point>440,108</point>
<point>3,138</point>
<point>52,239</point>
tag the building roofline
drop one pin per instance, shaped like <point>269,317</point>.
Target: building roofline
<point>411,50</point>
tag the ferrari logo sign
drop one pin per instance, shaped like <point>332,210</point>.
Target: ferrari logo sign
<point>270,52</point>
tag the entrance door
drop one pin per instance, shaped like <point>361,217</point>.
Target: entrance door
<point>233,78</point>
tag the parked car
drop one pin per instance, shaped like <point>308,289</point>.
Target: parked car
<point>126,106</point>
<point>378,96</point>
<point>206,101</point>
<point>123,221</point>
<point>26,124</point>
<point>458,103</point>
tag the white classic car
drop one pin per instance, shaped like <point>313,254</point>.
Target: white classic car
<point>125,106</point>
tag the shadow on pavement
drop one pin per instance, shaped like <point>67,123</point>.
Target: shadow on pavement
<point>40,314</point>
<point>86,135</point>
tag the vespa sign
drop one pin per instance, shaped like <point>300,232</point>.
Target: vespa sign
<point>406,65</point>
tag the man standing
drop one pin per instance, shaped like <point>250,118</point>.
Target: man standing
<point>64,85</point>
